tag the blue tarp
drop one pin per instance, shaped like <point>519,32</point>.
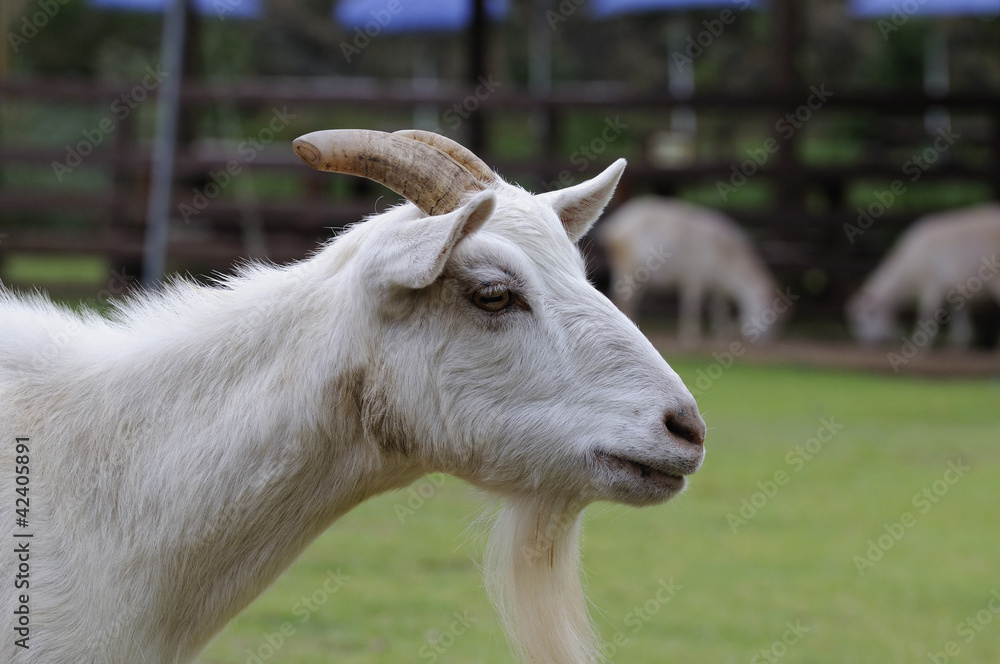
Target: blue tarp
<point>924,7</point>
<point>219,8</point>
<point>605,8</point>
<point>399,16</point>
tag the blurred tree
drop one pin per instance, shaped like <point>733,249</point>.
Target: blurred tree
<point>79,40</point>
<point>299,37</point>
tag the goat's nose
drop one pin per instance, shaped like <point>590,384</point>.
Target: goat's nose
<point>685,422</point>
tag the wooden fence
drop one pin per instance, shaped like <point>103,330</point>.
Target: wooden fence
<point>801,232</point>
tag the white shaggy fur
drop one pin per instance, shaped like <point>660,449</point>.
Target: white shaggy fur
<point>184,451</point>
<point>941,262</point>
<point>533,578</point>
<point>659,244</point>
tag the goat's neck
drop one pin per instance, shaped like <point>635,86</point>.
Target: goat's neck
<point>261,456</point>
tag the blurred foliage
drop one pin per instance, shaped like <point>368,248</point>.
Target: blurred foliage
<point>726,51</point>
<point>299,37</point>
<point>637,53</point>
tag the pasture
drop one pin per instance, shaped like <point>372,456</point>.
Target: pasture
<point>839,518</point>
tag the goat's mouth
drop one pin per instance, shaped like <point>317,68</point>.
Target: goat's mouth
<point>639,482</point>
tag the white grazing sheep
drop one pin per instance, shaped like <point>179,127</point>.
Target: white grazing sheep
<point>180,454</point>
<point>941,262</point>
<point>659,244</point>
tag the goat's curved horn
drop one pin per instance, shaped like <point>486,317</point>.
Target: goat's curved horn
<point>422,174</point>
<point>456,151</point>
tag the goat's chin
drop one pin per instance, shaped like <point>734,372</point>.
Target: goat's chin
<point>626,480</point>
<point>532,574</point>
<point>639,493</point>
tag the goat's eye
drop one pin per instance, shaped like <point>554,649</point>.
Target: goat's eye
<point>492,298</point>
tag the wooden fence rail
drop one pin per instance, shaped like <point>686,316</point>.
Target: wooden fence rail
<point>38,213</point>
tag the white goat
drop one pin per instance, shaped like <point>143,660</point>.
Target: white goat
<point>182,453</point>
<point>659,244</point>
<point>942,262</point>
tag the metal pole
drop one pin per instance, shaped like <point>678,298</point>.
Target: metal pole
<point>540,75</point>
<point>937,81</point>
<point>785,15</point>
<point>165,146</point>
<point>478,52</point>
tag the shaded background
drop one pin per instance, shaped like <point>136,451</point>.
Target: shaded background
<point>795,117</point>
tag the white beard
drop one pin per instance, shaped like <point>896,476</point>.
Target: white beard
<point>532,575</point>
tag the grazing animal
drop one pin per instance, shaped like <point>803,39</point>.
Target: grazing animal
<point>942,262</point>
<point>659,244</point>
<point>185,450</point>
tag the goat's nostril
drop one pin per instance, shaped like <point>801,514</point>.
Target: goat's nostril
<point>686,423</point>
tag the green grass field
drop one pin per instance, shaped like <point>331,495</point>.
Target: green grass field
<point>878,542</point>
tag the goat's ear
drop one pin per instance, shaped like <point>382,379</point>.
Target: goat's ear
<point>579,206</point>
<point>420,248</point>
